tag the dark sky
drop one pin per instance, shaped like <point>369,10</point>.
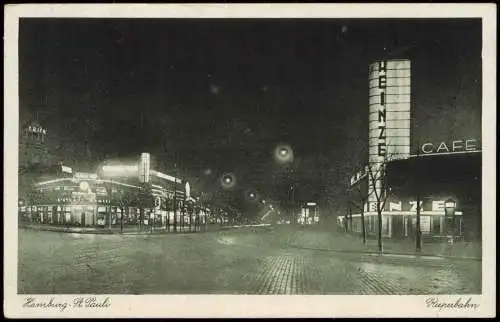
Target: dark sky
<point>221,94</point>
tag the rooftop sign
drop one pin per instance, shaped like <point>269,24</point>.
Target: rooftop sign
<point>66,169</point>
<point>85,175</point>
<point>456,146</point>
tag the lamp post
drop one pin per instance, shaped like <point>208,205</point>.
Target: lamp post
<point>110,200</point>
<point>449,211</point>
<point>283,154</point>
<point>175,199</point>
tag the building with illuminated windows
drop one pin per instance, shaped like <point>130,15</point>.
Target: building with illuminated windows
<point>433,180</point>
<point>116,196</point>
<point>440,179</point>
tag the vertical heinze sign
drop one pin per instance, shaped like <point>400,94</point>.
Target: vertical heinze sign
<point>389,120</point>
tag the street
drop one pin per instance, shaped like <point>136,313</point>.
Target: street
<point>243,261</point>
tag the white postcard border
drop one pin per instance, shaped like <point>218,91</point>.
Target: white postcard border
<point>246,305</point>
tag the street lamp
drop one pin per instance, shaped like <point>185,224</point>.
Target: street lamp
<point>228,180</point>
<point>283,154</point>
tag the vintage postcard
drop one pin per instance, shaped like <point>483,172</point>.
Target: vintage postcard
<point>250,160</point>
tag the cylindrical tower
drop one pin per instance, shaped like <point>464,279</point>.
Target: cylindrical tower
<point>389,118</point>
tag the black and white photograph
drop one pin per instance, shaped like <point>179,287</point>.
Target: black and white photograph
<point>177,155</point>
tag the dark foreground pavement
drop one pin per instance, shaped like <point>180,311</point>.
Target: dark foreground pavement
<point>241,261</point>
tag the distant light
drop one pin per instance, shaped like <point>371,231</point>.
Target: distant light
<point>84,186</point>
<point>214,89</point>
<point>283,153</point>
<point>311,204</point>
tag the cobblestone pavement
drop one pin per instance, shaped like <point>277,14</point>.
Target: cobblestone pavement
<point>310,273</point>
<point>230,262</point>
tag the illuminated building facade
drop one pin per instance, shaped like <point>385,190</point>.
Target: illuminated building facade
<point>394,178</point>
<point>118,195</point>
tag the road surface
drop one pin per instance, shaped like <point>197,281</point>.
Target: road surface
<point>242,261</point>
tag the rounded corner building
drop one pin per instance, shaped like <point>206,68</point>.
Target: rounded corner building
<point>441,178</point>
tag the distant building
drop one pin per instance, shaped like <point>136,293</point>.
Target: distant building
<point>33,149</point>
<point>34,156</point>
<point>309,214</point>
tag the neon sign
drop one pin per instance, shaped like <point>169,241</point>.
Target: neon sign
<point>429,205</point>
<point>389,102</point>
<point>37,129</point>
<point>85,176</point>
<point>456,146</point>
<point>382,84</point>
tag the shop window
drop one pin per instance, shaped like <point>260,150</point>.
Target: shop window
<point>425,224</point>
<point>385,225</point>
<point>436,225</point>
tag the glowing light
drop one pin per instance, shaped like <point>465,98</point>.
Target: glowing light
<point>283,153</point>
<point>228,180</point>
<point>165,176</point>
<point>84,185</point>
<point>120,169</point>
<point>52,181</point>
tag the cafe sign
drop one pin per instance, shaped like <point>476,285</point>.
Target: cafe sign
<point>455,146</point>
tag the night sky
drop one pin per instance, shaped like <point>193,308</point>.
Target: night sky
<point>221,94</point>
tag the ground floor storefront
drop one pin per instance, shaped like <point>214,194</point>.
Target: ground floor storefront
<point>402,225</point>
<point>97,216</point>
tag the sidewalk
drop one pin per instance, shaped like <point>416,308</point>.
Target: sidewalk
<point>114,230</point>
<point>343,242</point>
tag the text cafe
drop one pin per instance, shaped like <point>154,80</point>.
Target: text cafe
<point>399,218</point>
<point>455,146</point>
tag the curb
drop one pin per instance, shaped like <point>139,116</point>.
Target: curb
<point>422,255</point>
